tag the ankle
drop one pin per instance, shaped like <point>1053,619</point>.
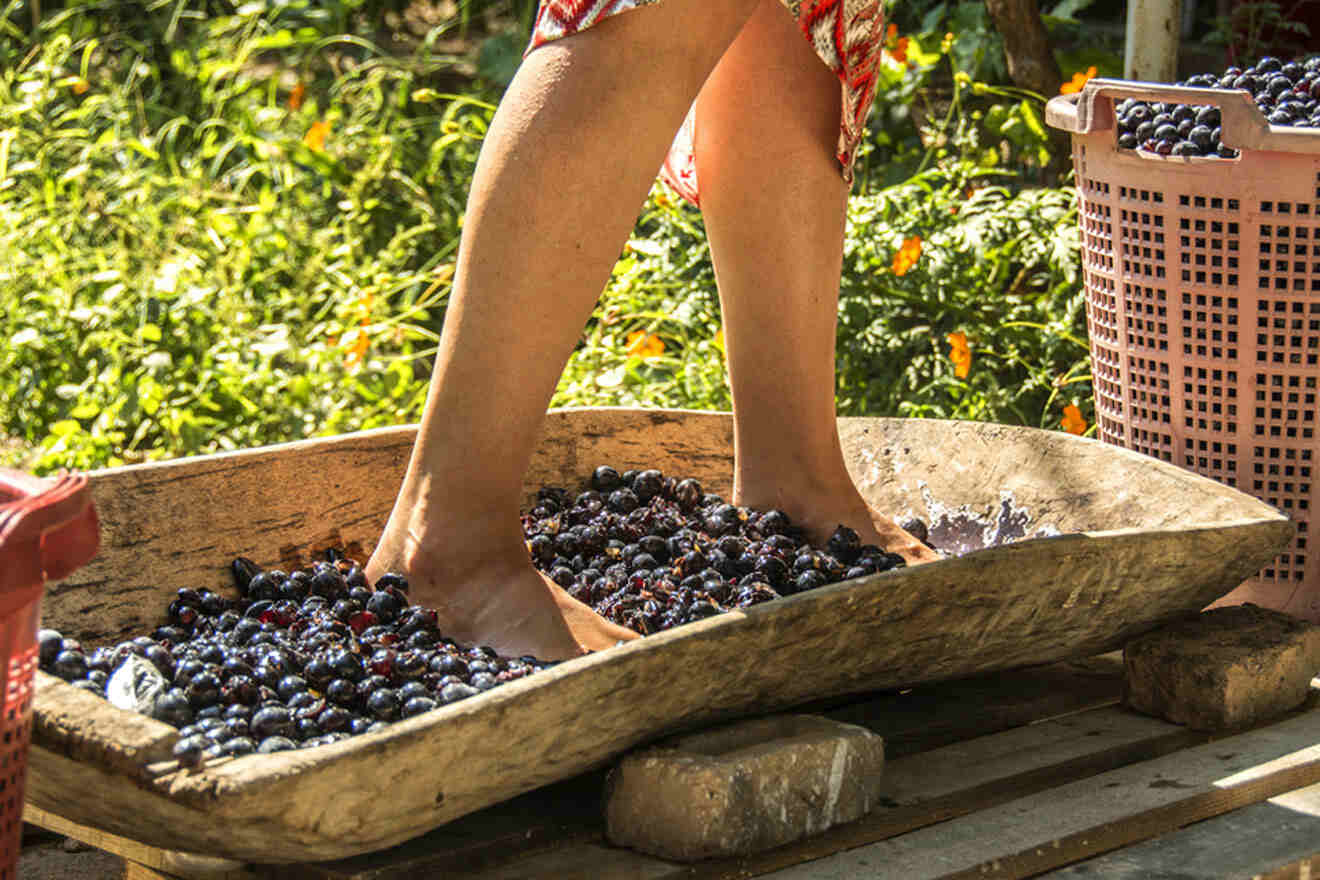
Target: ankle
<point>448,546</point>
<point>788,488</point>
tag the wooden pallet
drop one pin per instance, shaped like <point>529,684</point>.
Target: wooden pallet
<point>1017,774</point>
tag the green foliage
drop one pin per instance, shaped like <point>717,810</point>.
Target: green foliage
<point>999,263</point>
<point>227,226</point>
<point>184,283</point>
<point>996,265</point>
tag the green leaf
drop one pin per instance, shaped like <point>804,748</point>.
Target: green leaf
<point>85,411</point>
<point>1069,8</point>
<point>1033,121</point>
<point>144,149</point>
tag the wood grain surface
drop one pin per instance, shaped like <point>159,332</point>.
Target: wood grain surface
<point>1141,542</point>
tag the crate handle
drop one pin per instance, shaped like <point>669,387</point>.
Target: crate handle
<point>1244,127</point>
<point>57,516</point>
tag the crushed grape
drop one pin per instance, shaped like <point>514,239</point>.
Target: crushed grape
<point>317,655</point>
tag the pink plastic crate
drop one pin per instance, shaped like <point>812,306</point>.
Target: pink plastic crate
<point>1202,278</point>
<point>48,528</point>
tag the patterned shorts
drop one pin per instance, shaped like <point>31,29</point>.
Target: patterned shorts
<point>847,35</point>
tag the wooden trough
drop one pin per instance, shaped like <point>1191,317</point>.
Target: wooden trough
<point>1139,542</point>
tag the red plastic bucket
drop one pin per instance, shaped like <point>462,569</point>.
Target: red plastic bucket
<point>48,528</point>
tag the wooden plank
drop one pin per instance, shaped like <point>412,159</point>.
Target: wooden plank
<point>1147,541</point>
<point>559,815</point>
<point>1302,869</point>
<point>584,862</point>
<point>1071,822</point>
<point>1266,838</point>
<point>60,786</point>
<point>957,780</point>
<point>927,717</point>
<point>568,813</point>
<point>961,779</point>
<point>1143,825</point>
<point>186,865</point>
<point>135,871</point>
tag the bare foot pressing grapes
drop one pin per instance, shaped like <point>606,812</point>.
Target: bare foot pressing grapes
<point>820,514</point>
<point>495,599</point>
<point>872,527</point>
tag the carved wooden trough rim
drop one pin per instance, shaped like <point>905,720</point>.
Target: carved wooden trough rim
<point>1036,601</point>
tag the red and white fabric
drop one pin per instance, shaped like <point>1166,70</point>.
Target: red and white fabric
<point>847,35</point>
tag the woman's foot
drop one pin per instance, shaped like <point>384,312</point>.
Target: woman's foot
<point>490,597</point>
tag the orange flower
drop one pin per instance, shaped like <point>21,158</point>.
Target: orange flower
<point>357,352</point>
<point>1078,80</point>
<point>1073,422</point>
<point>296,96</point>
<point>80,86</point>
<point>315,137</point>
<point>907,256</point>
<point>895,46</point>
<point>363,307</point>
<point>960,354</point>
<point>644,345</point>
<point>900,51</point>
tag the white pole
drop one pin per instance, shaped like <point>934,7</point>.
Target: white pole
<point>1151,51</point>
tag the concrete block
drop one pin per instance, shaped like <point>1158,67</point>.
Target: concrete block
<point>743,788</point>
<point>1225,668</point>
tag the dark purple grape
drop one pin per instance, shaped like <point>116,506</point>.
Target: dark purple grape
<point>189,750</point>
<point>1203,138</point>
<point>605,479</point>
<point>341,692</point>
<point>647,485</point>
<point>272,744</point>
<point>70,665</point>
<point>172,707</point>
<point>243,571</point>
<point>49,645</point>
<point>383,704</point>
<point>452,693</point>
<point>688,493</point>
<point>844,544</point>
<point>271,721</point>
<point>238,746</point>
<point>808,580</point>
<point>623,500</point>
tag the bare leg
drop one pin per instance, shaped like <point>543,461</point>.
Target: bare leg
<point>567,163</point>
<point>774,203</point>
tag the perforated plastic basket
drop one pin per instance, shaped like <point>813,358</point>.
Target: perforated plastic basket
<point>47,529</point>
<point>1203,305</point>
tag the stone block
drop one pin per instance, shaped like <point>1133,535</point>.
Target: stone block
<point>1226,668</point>
<point>743,788</point>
